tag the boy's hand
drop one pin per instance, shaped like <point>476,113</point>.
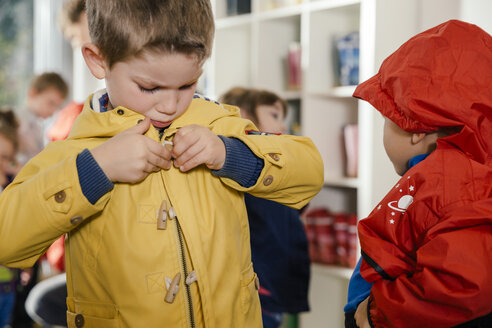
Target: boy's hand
<point>361,315</point>
<point>195,145</point>
<point>130,156</point>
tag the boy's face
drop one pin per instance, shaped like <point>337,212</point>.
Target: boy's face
<point>157,85</point>
<point>271,118</point>
<point>399,146</point>
<point>45,103</point>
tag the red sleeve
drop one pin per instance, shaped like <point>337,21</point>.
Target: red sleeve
<point>56,254</point>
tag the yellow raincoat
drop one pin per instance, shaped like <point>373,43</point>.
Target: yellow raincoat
<point>122,270</point>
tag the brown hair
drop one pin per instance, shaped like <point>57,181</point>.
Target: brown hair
<point>9,125</point>
<point>70,13</point>
<point>248,100</point>
<point>50,80</point>
<point>121,29</point>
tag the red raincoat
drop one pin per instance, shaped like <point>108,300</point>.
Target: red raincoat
<point>427,246</point>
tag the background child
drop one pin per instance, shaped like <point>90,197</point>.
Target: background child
<point>279,248</point>
<point>73,23</point>
<point>8,148</point>
<point>426,247</point>
<point>157,235</point>
<point>46,94</point>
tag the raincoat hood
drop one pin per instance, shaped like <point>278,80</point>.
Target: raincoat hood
<point>440,78</point>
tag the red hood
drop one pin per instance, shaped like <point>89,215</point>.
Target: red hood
<point>439,78</point>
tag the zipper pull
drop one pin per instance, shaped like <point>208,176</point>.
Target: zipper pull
<point>191,278</point>
<point>168,144</point>
<point>172,213</point>
<point>173,289</point>
<point>162,216</point>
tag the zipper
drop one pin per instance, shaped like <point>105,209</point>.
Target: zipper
<point>191,315</point>
<point>181,251</point>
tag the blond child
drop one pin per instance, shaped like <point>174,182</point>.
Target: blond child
<point>45,96</point>
<point>73,23</point>
<point>426,247</point>
<point>149,185</point>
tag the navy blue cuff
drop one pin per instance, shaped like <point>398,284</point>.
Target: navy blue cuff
<point>93,180</point>
<point>241,164</point>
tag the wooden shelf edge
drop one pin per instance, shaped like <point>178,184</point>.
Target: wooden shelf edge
<point>331,4</point>
<point>335,92</point>
<point>233,21</point>
<point>332,270</point>
<point>341,182</point>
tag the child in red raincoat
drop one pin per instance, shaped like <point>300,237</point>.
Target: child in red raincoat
<point>427,246</point>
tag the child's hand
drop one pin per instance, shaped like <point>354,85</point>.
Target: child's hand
<point>361,315</point>
<point>130,156</point>
<point>195,145</point>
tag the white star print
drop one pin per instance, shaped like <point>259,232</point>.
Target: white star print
<point>401,190</point>
<point>393,213</point>
<point>411,188</point>
<point>392,221</point>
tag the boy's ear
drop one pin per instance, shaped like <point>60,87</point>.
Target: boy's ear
<point>94,60</point>
<point>418,137</point>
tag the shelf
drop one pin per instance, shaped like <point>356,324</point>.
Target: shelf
<point>293,10</point>
<point>343,182</point>
<point>336,92</point>
<point>233,21</point>
<point>291,94</point>
<point>330,4</point>
<point>332,270</point>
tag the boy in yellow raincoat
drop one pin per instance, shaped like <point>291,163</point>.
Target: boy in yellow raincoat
<point>149,185</point>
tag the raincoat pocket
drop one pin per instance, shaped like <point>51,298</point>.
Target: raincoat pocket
<point>249,292</point>
<point>92,314</point>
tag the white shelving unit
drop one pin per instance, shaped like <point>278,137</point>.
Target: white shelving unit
<point>250,50</point>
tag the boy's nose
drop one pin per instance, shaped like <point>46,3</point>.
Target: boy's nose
<point>168,102</point>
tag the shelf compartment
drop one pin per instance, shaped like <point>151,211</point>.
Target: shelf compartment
<point>274,39</point>
<point>320,73</point>
<point>232,58</point>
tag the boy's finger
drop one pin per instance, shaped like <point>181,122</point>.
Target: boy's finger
<point>192,163</point>
<point>159,162</point>
<point>190,153</point>
<point>159,150</point>
<point>140,128</point>
<point>183,144</point>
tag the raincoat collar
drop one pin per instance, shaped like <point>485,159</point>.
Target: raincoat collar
<point>108,123</point>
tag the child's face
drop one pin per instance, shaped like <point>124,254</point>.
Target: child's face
<point>399,146</point>
<point>45,103</point>
<point>157,85</point>
<point>78,33</point>
<point>271,118</point>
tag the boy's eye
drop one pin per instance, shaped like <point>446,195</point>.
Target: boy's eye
<point>184,87</point>
<point>148,90</point>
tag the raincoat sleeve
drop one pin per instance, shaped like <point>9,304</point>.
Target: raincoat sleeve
<point>293,169</point>
<point>44,202</point>
<point>450,283</point>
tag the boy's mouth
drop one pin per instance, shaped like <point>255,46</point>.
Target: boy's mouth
<point>159,124</point>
